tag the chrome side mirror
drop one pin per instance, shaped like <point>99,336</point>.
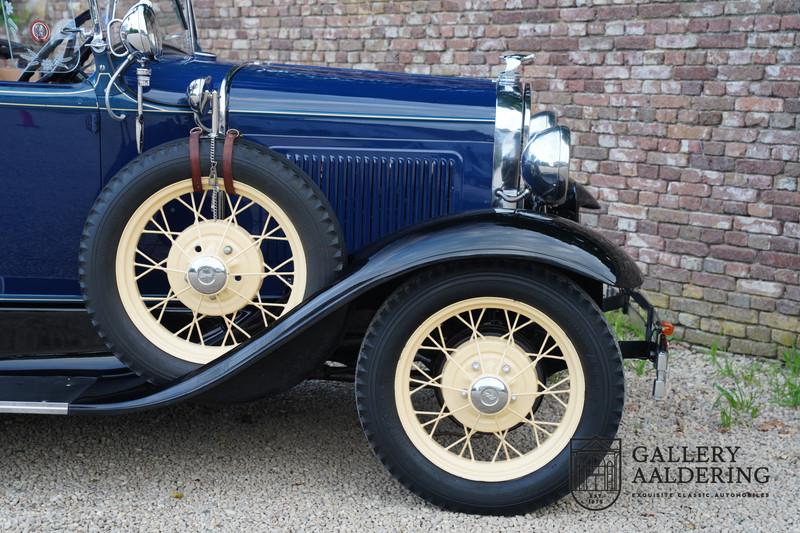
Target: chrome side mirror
<point>139,30</point>
<point>545,164</point>
<point>198,95</point>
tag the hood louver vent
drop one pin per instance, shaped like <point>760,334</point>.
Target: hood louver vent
<point>375,195</point>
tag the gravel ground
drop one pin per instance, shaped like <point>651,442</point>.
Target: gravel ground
<point>300,462</point>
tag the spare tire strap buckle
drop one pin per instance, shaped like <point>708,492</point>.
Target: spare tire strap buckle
<point>227,160</point>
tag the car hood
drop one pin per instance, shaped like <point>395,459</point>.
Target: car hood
<point>332,92</point>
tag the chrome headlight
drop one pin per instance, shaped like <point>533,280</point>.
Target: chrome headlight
<point>545,164</point>
<point>526,145</point>
<point>538,123</point>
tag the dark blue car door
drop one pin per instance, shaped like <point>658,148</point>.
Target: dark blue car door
<point>49,178</point>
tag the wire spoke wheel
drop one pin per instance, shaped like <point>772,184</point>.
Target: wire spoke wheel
<point>196,285</point>
<point>473,379</point>
<point>471,394</point>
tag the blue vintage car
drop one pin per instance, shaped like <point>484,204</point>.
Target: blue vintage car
<point>176,227</point>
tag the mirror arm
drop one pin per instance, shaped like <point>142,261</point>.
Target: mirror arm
<point>108,32</point>
<point>125,64</point>
<point>98,43</point>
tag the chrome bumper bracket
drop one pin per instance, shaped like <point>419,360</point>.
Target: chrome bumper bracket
<point>655,345</point>
<point>660,382</point>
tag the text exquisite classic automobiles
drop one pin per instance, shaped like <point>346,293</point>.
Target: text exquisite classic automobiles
<point>229,229</point>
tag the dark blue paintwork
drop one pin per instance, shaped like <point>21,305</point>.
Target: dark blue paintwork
<point>50,175</point>
<point>384,137</point>
<point>387,124</point>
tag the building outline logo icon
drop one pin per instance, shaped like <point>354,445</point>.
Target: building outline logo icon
<point>595,472</point>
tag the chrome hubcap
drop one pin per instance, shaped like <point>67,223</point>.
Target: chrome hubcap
<point>489,394</point>
<point>207,275</point>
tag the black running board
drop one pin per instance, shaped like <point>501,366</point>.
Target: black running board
<point>49,384</point>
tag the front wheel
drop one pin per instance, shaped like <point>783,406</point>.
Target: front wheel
<point>470,386</point>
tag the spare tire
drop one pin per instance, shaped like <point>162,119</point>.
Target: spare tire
<point>171,285</point>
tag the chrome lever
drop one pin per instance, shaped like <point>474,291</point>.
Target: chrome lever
<point>125,64</point>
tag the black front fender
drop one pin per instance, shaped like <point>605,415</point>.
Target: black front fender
<point>507,234</point>
<point>498,234</point>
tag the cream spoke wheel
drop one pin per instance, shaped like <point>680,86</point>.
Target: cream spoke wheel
<point>471,392</point>
<point>196,287</point>
<point>476,382</point>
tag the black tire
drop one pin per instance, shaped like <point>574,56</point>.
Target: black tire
<point>415,301</point>
<point>267,171</point>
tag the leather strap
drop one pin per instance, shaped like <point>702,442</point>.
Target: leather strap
<point>194,159</point>
<point>227,160</point>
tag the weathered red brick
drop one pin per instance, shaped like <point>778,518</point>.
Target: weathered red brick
<point>733,253</point>
<point>689,189</point>
<point>711,220</point>
<point>713,280</point>
<point>695,73</point>
<point>780,260</point>
<point>731,40</point>
<point>679,246</point>
<point>634,42</point>
<point>756,103</point>
<point>757,225</point>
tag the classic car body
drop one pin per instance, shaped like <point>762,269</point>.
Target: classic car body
<point>427,141</point>
<point>419,172</point>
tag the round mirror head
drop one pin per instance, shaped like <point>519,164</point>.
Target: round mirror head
<point>139,30</point>
<point>197,94</point>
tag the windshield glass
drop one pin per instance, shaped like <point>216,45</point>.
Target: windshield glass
<point>40,37</point>
<point>171,18</point>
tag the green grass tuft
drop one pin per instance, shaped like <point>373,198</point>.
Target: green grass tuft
<point>785,378</point>
<point>741,389</point>
<point>623,326</point>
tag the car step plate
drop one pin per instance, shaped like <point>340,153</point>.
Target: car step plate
<point>41,394</point>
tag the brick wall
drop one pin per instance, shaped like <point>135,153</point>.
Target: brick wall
<point>685,121</point>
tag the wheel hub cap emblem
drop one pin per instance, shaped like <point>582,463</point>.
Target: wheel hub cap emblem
<point>207,275</point>
<point>489,394</point>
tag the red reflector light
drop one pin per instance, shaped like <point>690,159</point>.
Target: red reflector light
<point>667,328</point>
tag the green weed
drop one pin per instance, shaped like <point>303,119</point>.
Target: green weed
<point>743,388</point>
<point>785,378</point>
<point>623,326</point>
<point>639,366</point>
<point>736,404</point>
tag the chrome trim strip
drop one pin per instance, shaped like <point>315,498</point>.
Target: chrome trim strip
<point>355,115</point>
<point>26,104</point>
<point>526,115</point>
<point>49,93</point>
<point>34,408</point>
<point>223,103</point>
<point>398,139</point>
<point>509,121</point>
<point>132,110</point>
